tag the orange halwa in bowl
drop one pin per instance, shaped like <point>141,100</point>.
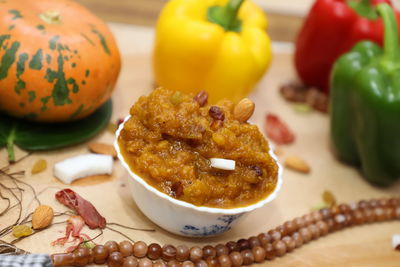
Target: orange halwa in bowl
<point>169,141</point>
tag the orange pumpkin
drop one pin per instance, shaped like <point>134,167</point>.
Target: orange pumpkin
<point>58,61</point>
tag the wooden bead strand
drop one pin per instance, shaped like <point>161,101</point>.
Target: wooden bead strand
<point>265,246</point>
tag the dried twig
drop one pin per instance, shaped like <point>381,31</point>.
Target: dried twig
<point>10,176</point>
<point>132,228</point>
<point>7,167</point>
<point>116,231</point>
<point>8,203</point>
<point>89,240</point>
<point>19,203</point>
<point>7,248</point>
<point>35,232</point>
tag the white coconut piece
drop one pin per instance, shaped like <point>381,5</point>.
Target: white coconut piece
<point>395,241</point>
<point>223,164</point>
<point>81,166</point>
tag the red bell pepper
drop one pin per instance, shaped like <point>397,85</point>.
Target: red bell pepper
<point>332,28</point>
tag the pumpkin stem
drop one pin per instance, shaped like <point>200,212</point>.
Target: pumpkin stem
<point>51,17</point>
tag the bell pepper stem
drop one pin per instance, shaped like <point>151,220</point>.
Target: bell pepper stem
<point>226,16</point>
<point>363,8</point>
<point>391,38</point>
<point>231,11</point>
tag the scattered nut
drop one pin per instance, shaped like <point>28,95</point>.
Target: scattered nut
<point>297,164</point>
<point>293,92</point>
<point>201,98</point>
<point>243,110</point>
<point>299,93</point>
<point>39,166</point>
<point>317,100</point>
<point>105,149</point>
<point>42,217</point>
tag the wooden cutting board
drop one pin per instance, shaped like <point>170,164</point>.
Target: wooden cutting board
<point>368,245</point>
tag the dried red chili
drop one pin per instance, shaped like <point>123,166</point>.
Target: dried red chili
<point>277,130</point>
<point>74,227</point>
<point>84,208</point>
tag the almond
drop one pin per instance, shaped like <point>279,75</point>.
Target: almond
<point>243,110</point>
<point>42,217</point>
<point>105,149</point>
<point>297,164</point>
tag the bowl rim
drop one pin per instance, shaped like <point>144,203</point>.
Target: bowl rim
<point>229,211</point>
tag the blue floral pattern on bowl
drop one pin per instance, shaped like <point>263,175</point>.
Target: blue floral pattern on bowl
<point>225,225</point>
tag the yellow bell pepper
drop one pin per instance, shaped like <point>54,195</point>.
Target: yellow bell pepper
<point>219,46</point>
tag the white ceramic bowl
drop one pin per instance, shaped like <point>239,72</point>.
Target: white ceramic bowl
<point>183,218</point>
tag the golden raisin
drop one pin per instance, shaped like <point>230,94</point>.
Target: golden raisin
<point>39,166</point>
<point>21,230</point>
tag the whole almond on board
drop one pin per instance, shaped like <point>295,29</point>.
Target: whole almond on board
<point>101,148</point>
<point>42,217</point>
<point>297,164</point>
<point>243,110</point>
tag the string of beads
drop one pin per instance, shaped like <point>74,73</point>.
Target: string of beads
<point>256,249</point>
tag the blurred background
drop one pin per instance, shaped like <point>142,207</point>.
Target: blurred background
<point>284,16</point>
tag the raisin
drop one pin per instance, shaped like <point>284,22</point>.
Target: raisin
<point>177,189</point>
<point>22,230</point>
<point>176,98</point>
<point>39,166</point>
<point>201,98</point>
<point>329,198</point>
<point>257,170</point>
<point>216,113</point>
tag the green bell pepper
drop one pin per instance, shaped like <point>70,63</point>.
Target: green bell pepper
<point>365,105</point>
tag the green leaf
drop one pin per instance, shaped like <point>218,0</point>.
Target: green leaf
<point>40,136</point>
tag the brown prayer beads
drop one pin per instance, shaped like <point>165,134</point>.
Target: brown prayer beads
<point>265,246</point>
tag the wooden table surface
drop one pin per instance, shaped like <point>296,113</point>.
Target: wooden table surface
<point>368,245</point>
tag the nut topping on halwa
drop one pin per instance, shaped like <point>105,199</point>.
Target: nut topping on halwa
<point>244,110</point>
<point>171,137</point>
